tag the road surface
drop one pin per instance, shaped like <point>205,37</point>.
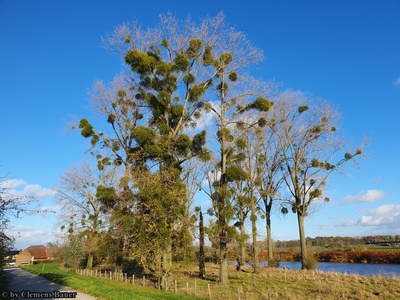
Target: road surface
<point>25,285</point>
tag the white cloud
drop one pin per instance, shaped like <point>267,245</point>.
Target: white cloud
<point>11,183</point>
<point>368,196</point>
<point>397,82</point>
<point>210,178</point>
<point>206,118</point>
<point>26,236</point>
<point>204,121</point>
<point>45,209</point>
<point>18,188</point>
<point>35,191</point>
<point>324,226</point>
<point>347,223</point>
<point>387,209</point>
<point>385,216</point>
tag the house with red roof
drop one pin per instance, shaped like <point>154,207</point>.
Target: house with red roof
<point>34,254</point>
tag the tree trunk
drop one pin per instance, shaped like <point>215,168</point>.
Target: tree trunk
<point>268,228</point>
<point>269,237</point>
<point>303,244</point>
<point>89,263</point>
<point>223,246</point>
<point>253,218</point>
<point>202,269</point>
<point>166,266</point>
<point>255,246</point>
<point>242,238</point>
<point>223,264</point>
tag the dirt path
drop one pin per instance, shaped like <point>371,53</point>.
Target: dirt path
<point>25,285</point>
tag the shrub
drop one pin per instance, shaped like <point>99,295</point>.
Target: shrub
<point>273,263</point>
<point>311,263</point>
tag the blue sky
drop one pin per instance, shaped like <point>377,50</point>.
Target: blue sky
<point>345,51</point>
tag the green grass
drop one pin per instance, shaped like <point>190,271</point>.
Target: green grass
<point>380,248</point>
<point>100,287</point>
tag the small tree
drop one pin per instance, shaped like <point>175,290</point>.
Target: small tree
<point>83,212</point>
<point>10,205</point>
<point>73,251</point>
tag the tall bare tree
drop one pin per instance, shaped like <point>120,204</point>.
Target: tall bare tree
<point>312,150</point>
<point>269,177</point>
<point>232,102</point>
<point>245,191</point>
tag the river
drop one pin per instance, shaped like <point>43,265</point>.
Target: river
<point>387,270</point>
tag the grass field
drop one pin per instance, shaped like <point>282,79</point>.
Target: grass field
<point>380,248</point>
<point>268,284</point>
<point>100,287</point>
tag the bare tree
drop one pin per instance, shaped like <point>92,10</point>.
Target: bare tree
<point>269,177</point>
<point>245,191</point>
<point>11,205</point>
<point>83,212</point>
<point>312,150</point>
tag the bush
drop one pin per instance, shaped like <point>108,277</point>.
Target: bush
<point>273,263</point>
<point>131,267</point>
<point>310,263</point>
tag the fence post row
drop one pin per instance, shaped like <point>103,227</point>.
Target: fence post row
<point>124,278</point>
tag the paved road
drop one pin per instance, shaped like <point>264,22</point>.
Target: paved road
<point>22,283</point>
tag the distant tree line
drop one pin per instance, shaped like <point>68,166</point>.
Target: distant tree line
<point>338,242</point>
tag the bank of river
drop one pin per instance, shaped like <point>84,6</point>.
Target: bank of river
<point>386,270</point>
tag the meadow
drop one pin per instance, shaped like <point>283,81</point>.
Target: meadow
<point>268,284</point>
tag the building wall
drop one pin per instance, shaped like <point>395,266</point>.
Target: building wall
<point>23,258</point>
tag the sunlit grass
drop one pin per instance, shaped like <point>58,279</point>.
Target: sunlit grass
<point>100,287</point>
<point>268,284</point>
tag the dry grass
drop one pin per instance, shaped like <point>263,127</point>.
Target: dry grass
<point>285,284</point>
<point>268,284</point>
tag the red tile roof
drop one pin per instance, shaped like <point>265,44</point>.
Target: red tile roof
<point>38,251</point>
